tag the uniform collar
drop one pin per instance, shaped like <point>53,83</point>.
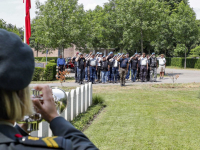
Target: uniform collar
<point>6,123</point>
<point>7,133</point>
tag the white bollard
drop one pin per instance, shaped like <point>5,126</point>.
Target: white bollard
<point>90,94</point>
<point>86,96</point>
<point>73,104</point>
<point>50,134</point>
<point>40,129</point>
<point>68,110</point>
<point>82,98</point>
<point>78,101</point>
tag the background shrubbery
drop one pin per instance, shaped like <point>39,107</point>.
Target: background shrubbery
<point>179,62</point>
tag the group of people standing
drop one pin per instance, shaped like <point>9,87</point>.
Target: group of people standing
<point>97,68</point>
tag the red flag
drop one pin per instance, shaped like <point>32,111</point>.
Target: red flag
<point>27,21</point>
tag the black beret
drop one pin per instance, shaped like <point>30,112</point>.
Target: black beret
<point>16,62</point>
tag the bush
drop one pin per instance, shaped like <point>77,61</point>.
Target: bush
<point>52,61</point>
<point>43,59</point>
<point>50,72</point>
<point>179,62</point>
<point>38,74</point>
<point>96,99</point>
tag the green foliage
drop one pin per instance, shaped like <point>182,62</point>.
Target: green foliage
<point>179,62</point>
<point>195,52</point>
<point>52,61</point>
<point>38,74</point>
<point>179,50</point>
<point>97,99</point>
<point>50,71</point>
<point>43,59</point>
<point>81,121</point>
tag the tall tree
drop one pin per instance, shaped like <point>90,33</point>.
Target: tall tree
<point>183,24</point>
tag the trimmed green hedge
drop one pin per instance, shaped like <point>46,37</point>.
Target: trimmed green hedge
<point>50,71</point>
<point>179,62</point>
<point>43,59</point>
<point>38,74</point>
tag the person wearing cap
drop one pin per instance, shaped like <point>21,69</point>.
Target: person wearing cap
<point>99,58</point>
<point>162,65</point>
<point>16,102</point>
<point>93,68</point>
<point>76,67</point>
<point>104,69</point>
<point>129,68</point>
<point>138,71</point>
<point>81,61</point>
<point>123,69</point>
<point>144,67</point>
<point>110,56</point>
<point>148,71</point>
<point>115,69</point>
<point>153,68</point>
<point>61,63</point>
<point>86,68</point>
<point>134,67</point>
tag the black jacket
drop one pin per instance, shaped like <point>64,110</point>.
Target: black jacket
<point>67,137</point>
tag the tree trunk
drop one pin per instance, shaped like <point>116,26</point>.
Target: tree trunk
<point>63,52</point>
<point>141,41</point>
<point>185,59</point>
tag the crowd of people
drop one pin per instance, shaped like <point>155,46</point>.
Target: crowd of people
<point>98,68</point>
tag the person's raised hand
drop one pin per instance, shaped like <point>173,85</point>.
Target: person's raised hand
<point>48,108</point>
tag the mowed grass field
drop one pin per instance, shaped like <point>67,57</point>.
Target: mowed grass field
<point>143,117</point>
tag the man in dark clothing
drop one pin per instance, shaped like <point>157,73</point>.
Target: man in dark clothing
<point>134,68</point>
<point>110,64</point>
<point>82,64</point>
<point>105,67</point>
<point>129,68</point>
<point>148,71</point>
<point>76,67</point>
<point>123,68</point>
<point>153,68</point>
<point>138,71</point>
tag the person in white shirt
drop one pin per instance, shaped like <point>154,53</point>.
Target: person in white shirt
<point>144,67</point>
<point>93,68</point>
<point>99,58</point>
<point>162,65</point>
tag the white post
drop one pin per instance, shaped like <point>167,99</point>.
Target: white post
<point>25,21</point>
<point>49,132</point>
<point>86,96</point>
<point>73,104</point>
<point>40,130</point>
<point>82,98</point>
<point>90,94</point>
<point>68,110</point>
<point>78,101</point>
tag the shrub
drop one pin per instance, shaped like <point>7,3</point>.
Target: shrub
<point>50,71</point>
<point>43,59</point>
<point>38,74</point>
<point>96,99</point>
<point>179,62</point>
<point>52,61</point>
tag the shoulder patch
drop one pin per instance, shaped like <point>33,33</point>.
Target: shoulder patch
<point>51,142</point>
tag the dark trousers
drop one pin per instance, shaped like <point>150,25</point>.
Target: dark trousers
<point>98,73</point>
<point>143,73</point>
<point>92,73</point>
<point>138,73</point>
<point>148,74</point>
<point>110,74</point>
<point>81,74</point>
<point>61,68</point>
<point>115,74</point>
<point>122,72</point>
<point>76,73</point>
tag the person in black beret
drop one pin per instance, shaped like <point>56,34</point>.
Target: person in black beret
<point>16,71</point>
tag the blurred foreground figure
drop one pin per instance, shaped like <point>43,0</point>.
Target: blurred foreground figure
<point>15,103</point>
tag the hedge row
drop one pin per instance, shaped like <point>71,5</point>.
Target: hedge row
<point>43,59</point>
<point>47,74</point>
<point>179,62</point>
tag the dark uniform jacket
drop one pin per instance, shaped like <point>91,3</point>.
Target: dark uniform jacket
<point>153,62</point>
<point>66,137</point>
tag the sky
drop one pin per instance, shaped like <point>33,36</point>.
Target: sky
<point>12,11</point>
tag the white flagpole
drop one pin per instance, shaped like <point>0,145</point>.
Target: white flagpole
<point>25,21</point>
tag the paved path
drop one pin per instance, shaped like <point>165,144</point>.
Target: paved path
<point>185,76</point>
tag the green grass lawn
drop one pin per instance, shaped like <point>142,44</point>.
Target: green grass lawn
<point>147,117</point>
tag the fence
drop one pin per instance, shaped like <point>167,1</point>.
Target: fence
<point>78,101</point>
